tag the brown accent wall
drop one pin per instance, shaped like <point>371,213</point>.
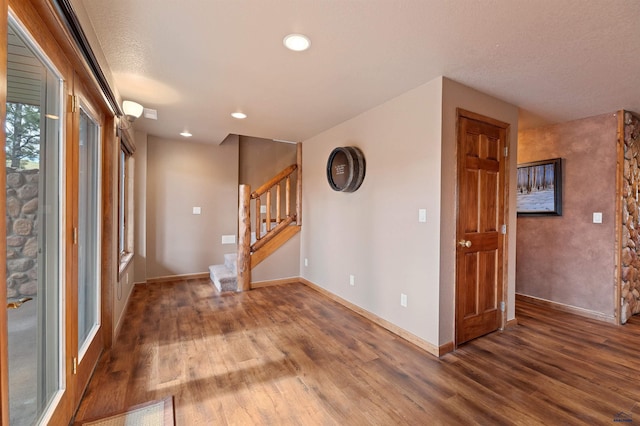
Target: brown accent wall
<point>261,159</point>
<point>569,259</point>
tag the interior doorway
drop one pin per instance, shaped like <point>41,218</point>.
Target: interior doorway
<point>480,229</point>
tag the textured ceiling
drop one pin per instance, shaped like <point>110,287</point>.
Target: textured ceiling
<point>196,61</point>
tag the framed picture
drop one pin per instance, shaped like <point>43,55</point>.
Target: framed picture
<point>540,188</point>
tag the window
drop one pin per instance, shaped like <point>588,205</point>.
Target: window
<point>125,201</point>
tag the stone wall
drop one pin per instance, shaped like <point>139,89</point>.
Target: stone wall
<point>630,293</point>
<point>22,233</point>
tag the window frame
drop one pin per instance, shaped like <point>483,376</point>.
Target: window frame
<point>125,201</point>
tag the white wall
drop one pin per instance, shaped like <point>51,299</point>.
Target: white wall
<point>140,207</point>
<point>182,175</point>
<point>374,232</point>
<point>410,147</point>
<point>456,95</point>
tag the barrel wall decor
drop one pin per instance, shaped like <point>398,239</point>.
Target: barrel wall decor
<point>345,169</point>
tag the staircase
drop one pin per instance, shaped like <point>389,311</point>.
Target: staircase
<point>225,277</point>
<point>272,227</point>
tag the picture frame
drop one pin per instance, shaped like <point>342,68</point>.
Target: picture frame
<point>539,188</point>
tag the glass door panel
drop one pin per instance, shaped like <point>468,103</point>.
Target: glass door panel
<point>34,243</point>
<point>88,232</point>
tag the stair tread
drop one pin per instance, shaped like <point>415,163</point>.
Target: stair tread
<point>223,278</point>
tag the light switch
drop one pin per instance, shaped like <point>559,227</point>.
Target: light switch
<point>597,217</point>
<point>197,210</point>
<point>228,239</point>
<point>422,215</point>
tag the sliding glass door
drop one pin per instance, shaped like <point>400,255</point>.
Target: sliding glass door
<point>88,231</point>
<point>34,243</point>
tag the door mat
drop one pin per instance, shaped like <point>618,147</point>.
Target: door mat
<point>152,413</point>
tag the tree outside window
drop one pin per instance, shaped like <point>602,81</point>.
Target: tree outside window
<point>23,135</point>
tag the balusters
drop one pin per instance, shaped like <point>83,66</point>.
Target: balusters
<point>268,218</point>
<point>258,218</point>
<point>287,195</point>
<point>278,218</point>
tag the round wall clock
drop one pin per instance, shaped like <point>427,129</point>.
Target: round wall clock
<point>345,169</point>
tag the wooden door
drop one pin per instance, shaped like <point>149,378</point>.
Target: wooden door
<point>480,219</point>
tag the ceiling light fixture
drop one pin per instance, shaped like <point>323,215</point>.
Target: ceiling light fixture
<point>297,42</point>
<point>132,110</point>
<point>239,115</point>
<point>186,134</point>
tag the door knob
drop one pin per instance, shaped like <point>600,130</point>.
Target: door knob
<point>464,243</point>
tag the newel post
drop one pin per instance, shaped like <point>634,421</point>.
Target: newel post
<point>244,238</point>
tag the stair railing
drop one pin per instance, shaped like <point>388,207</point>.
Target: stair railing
<point>274,225</point>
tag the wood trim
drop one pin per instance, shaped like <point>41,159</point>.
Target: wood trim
<point>400,332</point>
<point>479,117</point>
<point>271,283</point>
<point>181,277</point>
<point>110,264</point>
<point>511,323</point>
<point>586,313</point>
<point>617,250</point>
<point>446,348</point>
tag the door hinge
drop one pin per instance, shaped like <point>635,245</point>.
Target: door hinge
<point>503,229</point>
<point>502,306</point>
<point>506,151</point>
<point>75,235</point>
<point>75,365</point>
<point>74,103</point>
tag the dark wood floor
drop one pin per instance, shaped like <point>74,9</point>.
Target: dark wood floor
<point>288,355</point>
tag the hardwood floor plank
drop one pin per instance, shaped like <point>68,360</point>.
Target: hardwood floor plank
<point>289,355</point>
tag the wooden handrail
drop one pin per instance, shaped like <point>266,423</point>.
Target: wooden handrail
<point>272,233</point>
<point>245,248</point>
<point>273,181</point>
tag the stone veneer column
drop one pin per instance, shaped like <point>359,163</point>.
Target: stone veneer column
<point>630,292</point>
<point>22,232</point>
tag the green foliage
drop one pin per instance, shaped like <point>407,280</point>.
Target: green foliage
<point>23,134</point>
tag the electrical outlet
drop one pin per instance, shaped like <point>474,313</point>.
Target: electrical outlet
<point>197,210</point>
<point>403,300</point>
<point>306,262</point>
<point>263,209</point>
<point>352,280</point>
<point>597,217</point>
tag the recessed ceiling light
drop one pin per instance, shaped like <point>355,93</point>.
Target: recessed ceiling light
<point>239,115</point>
<point>186,134</point>
<point>297,42</point>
